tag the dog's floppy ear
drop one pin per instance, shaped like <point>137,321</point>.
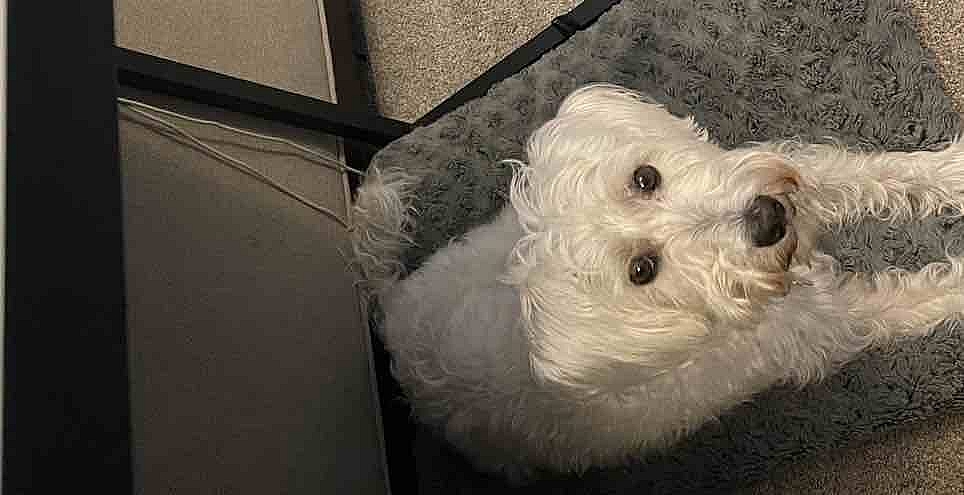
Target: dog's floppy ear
<point>585,350</point>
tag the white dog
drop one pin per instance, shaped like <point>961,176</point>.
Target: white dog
<point>642,281</point>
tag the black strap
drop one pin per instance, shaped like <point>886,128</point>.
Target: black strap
<point>566,24</point>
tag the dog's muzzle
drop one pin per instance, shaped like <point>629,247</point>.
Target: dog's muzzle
<point>767,220</point>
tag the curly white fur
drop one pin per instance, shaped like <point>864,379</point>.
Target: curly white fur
<point>529,347</point>
<point>382,207</point>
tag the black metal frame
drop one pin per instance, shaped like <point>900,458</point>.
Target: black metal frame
<point>66,417</point>
<point>146,72</point>
<point>66,404</point>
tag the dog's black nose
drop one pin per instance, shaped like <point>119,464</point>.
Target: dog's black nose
<point>766,221</point>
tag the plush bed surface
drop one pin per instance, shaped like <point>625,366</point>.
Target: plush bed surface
<point>852,70</point>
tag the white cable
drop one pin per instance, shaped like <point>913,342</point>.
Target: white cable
<point>324,160</point>
<point>239,164</point>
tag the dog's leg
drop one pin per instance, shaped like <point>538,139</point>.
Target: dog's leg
<point>902,303</point>
<point>828,320</point>
<point>842,186</point>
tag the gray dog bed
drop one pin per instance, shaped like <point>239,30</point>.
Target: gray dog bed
<point>749,71</point>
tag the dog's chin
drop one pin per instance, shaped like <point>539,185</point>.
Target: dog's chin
<point>787,247</point>
<point>785,250</point>
<point>778,258</point>
<point>771,266</point>
<point>788,205</point>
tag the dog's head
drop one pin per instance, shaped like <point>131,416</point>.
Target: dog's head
<point>643,242</point>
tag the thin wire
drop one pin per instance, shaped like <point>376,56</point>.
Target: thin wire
<point>240,165</point>
<point>322,158</point>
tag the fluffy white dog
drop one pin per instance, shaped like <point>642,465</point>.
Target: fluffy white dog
<point>642,281</point>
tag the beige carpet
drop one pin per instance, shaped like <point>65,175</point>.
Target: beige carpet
<point>941,27</point>
<point>922,458</point>
<point>423,51</point>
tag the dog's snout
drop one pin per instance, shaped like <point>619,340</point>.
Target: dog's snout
<point>766,221</point>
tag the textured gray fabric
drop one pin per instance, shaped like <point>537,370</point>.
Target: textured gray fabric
<point>755,70</point>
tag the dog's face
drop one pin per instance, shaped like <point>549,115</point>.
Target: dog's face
<point>644,242</point>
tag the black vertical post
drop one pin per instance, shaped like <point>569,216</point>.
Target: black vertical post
<point>351,81</point>
<point>352,94</point>
<point>66,405</point>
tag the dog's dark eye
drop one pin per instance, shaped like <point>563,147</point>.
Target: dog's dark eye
<point>642,269</point>
<point>646,178</point>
